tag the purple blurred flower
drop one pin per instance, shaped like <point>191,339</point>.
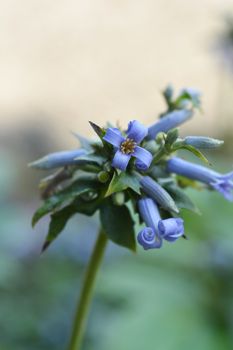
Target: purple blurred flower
<point>58,159</point>
<point>221,183</point>
<point>127,147</point>
<point>170,121</point>
<point>151,237</point>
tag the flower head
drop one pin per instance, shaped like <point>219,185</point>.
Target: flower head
<point>221,183</point>
<point>152,235</point>
<point>127,147</point>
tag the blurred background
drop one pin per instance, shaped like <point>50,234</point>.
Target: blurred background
<point>64,63</point>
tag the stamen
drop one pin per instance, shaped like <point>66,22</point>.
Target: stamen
<point>128,146</point>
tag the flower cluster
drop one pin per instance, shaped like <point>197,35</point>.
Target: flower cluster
<point>125,173</point>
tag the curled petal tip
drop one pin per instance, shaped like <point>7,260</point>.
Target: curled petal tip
<point>148,239</point>
<point>144,158</point>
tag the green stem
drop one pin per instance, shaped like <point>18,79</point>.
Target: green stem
<point>87,292</point>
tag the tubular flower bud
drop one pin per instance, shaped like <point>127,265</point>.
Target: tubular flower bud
<point>170,121</point>
<point>158,193</point>
<point>156,229</point>
<point>58,159</point>
<point>202,142</point>
<point>223,183</point>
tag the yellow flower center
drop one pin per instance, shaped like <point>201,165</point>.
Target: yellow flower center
<point>128,146</point>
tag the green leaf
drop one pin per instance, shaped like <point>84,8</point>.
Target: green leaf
<point>57,224</point>
<point>87,207</point>
<point>172,136</point>
<point>121,182</point>
<point>193,150</point>
<point>181,199</point>
<point>118,224</point>
<point>107,147</point>
<point>168,94</point>
<point>80,186</point>
<point>98,130</point>
<point>187,97</point>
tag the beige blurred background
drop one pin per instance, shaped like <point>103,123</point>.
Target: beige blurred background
<point>67,62</point>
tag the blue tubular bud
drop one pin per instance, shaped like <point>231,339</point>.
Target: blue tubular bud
<point>149,212</point>
<point>58,159</point>
<point>171,229</point>
<point>223,183</point>
<point>170,121</point>
<point>158,193</point>
<point>202,142</point>
<point>151,237</point>
<point>148,237</point>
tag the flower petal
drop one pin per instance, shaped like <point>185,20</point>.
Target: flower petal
<point>220,182</point>
<point>149,239</point>
<point>227,176</point>
<point>114,137</point>
<point>120,160</point>
<point>171,229</point>
<point>224,187</point>
<point>136,131</point>
<point>149,212</point>
<point>143,156</point>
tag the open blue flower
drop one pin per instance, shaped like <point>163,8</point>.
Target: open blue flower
<point>223,183</point>
<point>151,237</point>
<point>127,147</point>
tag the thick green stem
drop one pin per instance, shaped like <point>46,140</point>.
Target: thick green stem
<point>87,292</point>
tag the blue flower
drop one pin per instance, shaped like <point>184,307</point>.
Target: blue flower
<point>158,193</point>
<point>58,159</point>
<point>152,235</point>
<point>127,147</point>
<point>171,229</point>
<point>168,122</point>
<point>221,183</point>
